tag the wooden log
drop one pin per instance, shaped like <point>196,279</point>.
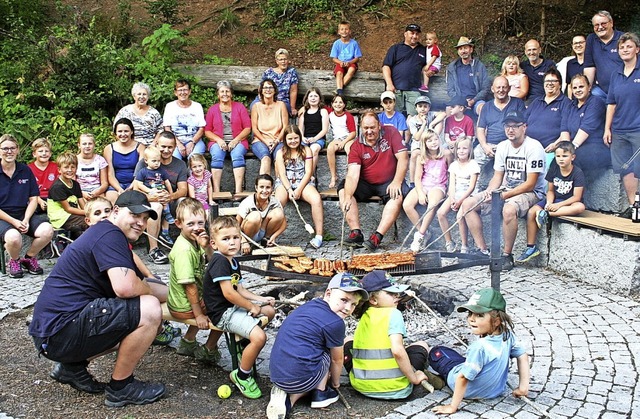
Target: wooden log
<point>365,87</point>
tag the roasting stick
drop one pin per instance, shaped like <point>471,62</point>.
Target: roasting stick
<point>417,225</point>
<point>343,399</point>
<point>344,214</point>
<point>307,226</point>
<point>158,239</point>
<point>250,240</point>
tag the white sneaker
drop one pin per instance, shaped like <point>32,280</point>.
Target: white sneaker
<point>418,239</point>
<point>279,404</point>
<point>451,247</point>
<point>464,249</point>
<point>316,242</point>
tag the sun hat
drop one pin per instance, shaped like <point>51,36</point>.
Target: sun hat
<point>484,301</point>
<point>464,41</point>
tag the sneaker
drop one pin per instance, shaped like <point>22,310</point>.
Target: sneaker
<point>169,218</point>
<point>206,355</point>
<point>528,254</point>
<point>416,244</point>
<point>316,242</point>
<point>163,338</point>
<point>80,380</point>
<point>373,243</point>
<point>15,268</point>
<point>175,331</point>
<point>450,247</point>
<point>507,262</point>
<point>249,388</point>
<point>626,213</point>
<point>542,217</point>
<point>136,392</point>
<point>166,238</point>
<point>279,404</point>
<point>158,257</point>
<point>480,252</point>
<point>31,265</point>
<point>424,89</point>
<point>186,348</point>
<point>464,249</point>
<point>355,238</point>
<point>323,398</point>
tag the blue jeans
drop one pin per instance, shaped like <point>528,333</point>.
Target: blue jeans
<point>199,148</point>
<point>218,155</point>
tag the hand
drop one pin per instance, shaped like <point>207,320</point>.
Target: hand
<point>552,207</point>
<point>269,300</point>
<point>182,149</point>
<point>271,242</point>
<point>246,248</point>
<point>347,205</point>
<point>223,146</point>
<point>551,147</point>
<point>455,205</point>
<point>42,203</point>
<point>296,194</point>
<point>488,150</point>
<point>254,311</point>
<point>21,226</point>
<point>232,144</point>
<point>422,198</point>
<point>418,378</point>
<point>471,102</point>
<point>202,321</point>
<point>521,392</point>
<point>189,148</point>
<point>203,238</point>
<point>448,409</point>
<point>607,137</point>
<point>391,87</point>
<point>294,111</point>
<point>395,190</point>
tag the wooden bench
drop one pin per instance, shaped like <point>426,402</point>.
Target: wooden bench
<point>605,223</point>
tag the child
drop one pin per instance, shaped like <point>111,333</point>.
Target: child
<point>45,171</point>
<point>564,196</point>
<point>65,206</point>
<point>294,178</point>
<point>153,178</point>
<point>457,125</point>
<point>434,60</point>
<point>313,121</point>
<point>343,130</point>
<point>380,331</point>
<point>308,350</point>
<point>345,53</point>
<point>92,173</point>
<point>463,177</point>
<point>199,181</point>
<point>431,182</point>
<point>230,306</point>
<point>518,81</point>
<point>389,116</point>
<point>483,373</point>
<point>419,123</point>
<point>188,260</point>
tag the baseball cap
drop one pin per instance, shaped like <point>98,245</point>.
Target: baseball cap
<point>514,116</point>
<point>422,99</point>
<point>464,41</point>
<point>136,202</point>
<point>348,283</point>
<point>484,301</point>
<point>380,280</point>
<point>413,27</point>
<point>457,101</point>
<point>387,95</point>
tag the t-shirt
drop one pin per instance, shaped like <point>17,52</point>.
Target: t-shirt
<point>176,170</point>
<point>406,65</point>
<point>80,276</point>
<point>15,191</point>
<point>463,173</point>
<point>544,119</point>
<point>624,92</point>
<point>414,123</point>
<point>434,51</point>
<point>397,120</point>
<point>457,129</point>
<point>88,174</point>
<point>200,187</point>
<point>187,264</point>
<point>341,126</point>
<point>146,126</point>
<point>219,269</point>
<point>152,178</point>
<point>249,205</point>
<point>61,192</point>
<point>515,163</point>
<point>45,178</point>
<point>564,186</point>
<point>345,52</point>
<point>491,118</point>
<point>378,163</point>
<point>604,57</point>
<point>536,76</point>
<point>283,81</point>
<point>308,332</point>
<point>184,122</point>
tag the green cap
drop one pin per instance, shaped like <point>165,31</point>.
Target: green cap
<point>484,301</point>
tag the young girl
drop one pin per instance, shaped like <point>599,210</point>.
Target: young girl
<point>431,183</point>
<point>483,373</point>
<point>294,175</point>
<point>518,81</point>
<point>343,130</point>
<point>91,173</point>
<point>313,121</point>
<point>199,181</point>
<point>463,176</point>
<point>434,60</point>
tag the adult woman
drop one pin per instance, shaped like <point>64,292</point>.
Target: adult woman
<point>622,125</point>
<point>147,121</point>
<point>584,124</point>
<point>227,127</point>
<point>122,157</point>
<point>18,201</point>
<point>185,118</point>
<point>269,117</point>
<point>286,80</point>
<point>261,215</point>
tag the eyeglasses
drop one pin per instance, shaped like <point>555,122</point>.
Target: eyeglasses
<point>512,126</point>
<point>9,149</point>
<point>551,82</point>
<point>597,25</point>
<point>267,88</point>
<point>183,90</point>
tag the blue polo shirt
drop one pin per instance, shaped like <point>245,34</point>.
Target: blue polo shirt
<point>589,118</point>
<point>491,118</point>
<point>624,92</point>
<point>544,119</point>
<point>406,65</point>
<point>604,57</point>
<point>397,121</point>
<point>15,191</point>
<point>536,76</point>
<point>465,80</point>
<point>573,68</point>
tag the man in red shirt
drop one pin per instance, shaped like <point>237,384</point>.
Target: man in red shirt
<point>377,166</point>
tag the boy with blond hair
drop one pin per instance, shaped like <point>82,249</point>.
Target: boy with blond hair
<point>345,54</point>
<point>65,205</point>
<point>45,171</point>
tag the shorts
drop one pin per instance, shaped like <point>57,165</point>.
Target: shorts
<point>261,150</point>
<point>237,320</point>
<point>340,69</point>
<point>622,148</point>
<point>543,202</point>
<point>443,360</point>
<point>433,69</point>
<point>522,202</point>
<point>76,225</point>
<point>34,223</point>
<point>321,142</point>
<point>101,325</point>
<point>366,190</point>
<point>418,356</point>
<point>305,385</point>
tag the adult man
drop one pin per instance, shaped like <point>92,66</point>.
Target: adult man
<point>468,77</point>
<point>535,68</point>
<point>178,173</point>
<point>490,130</point>
<point>601,57</point>
<point>570,66</point>
<point>519,162</point>
<point>94,302</point>
<point>402,69</point>
<point>377,165</point>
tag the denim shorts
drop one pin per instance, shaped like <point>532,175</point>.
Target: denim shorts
<point>238,321</point>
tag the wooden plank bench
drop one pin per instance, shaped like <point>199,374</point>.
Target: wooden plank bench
<point>605,223</point>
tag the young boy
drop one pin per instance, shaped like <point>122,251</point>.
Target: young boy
<point>187,260</point>
<point>390,370</point>
<point>230,306</point>
<point>345,53</point>
<point>45,171</point>
<point>65,205</point>
<point>308,350</point>
<point>389,116</point>
<point>564,196</point>
<point>154,178</point>
<point>417,124</point>
<point>457,125</point>
<point>434,60</point>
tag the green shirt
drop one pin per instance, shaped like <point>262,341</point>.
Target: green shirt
<point>187,267</point>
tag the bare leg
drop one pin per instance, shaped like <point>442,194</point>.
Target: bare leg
<point>409,205</point>
<point>153,226</point>
<point>532,227</point>
<point>442,218</point>
<point>265,165</point>
<point>510,226</point>
<point>331,160</point>
<point>347,78</point>
<point>433,198</point>
<point>216,176</point>
<point>473,220</point>
<point>257,339</point>
<point>13,243</point>
<point>389,215</point>
<point>630,184</point>
<point>311,195</point>
<point>238,176</point>
<point>353,215</point>
<point>340,80</point>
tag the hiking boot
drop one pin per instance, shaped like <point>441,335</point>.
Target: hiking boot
<point>206,355</point>
<point>175,331</point>
<point>166,238</point>
<point>323,398</point>
<point>31,264</point>
<point>136,392</point>
<point>316,242</point>
<point>249,388</point>
<point>80,380</point>
<point>186,348</point>
<point>15,268</point>
<point>528,254</point>
<point>355,238</point>
<point>373,243</point>
<point>450,247</point>
<point>279,405</point>
<point>507,262</point>
<point>542,217</point>
<point>626,213</point>
<point>163,338</point>
<point>158,257</point>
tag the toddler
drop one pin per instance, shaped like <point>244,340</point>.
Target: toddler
<point>434,60</point>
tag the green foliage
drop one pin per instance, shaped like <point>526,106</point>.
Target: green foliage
<point>315,45</point>
<point>215,60</point>
<point>166,11</point>
<point>296,10</point>
<point>228,21</point>
<point>493,62</point>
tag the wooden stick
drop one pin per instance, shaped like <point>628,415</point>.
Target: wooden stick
<point>158,239</point>
<point>416,226</point>
<point>343,399</point>
<point>250,240</point>
<point>307,226</point>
